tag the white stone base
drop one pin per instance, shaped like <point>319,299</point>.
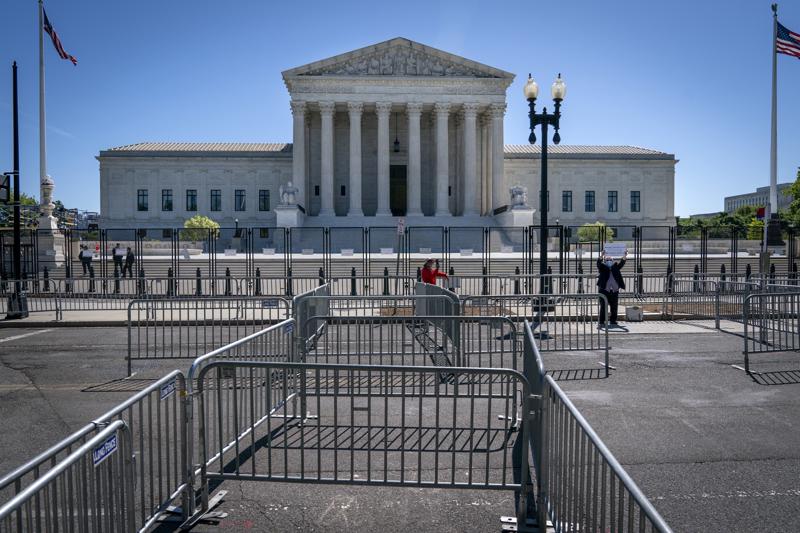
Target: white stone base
<point>50,243</point>
<point>516,217</point>
<point>288,216</point>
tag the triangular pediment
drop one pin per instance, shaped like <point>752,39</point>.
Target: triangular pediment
<point>398,57</point>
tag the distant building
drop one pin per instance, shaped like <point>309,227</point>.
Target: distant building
<point>757,199</point>
<point>704,216</point>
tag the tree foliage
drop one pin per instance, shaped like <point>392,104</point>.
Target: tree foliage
<point>592,232</point>
<point>199,227</point>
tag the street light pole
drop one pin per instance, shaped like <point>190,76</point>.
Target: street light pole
<point>17,307</point>
<point>531,91</point>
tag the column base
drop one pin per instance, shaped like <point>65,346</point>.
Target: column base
<point>414,213</point>
<point>326,213</point>
<point>358,213</point>
<point>442,214</point>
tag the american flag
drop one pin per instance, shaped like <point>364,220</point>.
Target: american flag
<point>788,42</point>
<point>56,41</point>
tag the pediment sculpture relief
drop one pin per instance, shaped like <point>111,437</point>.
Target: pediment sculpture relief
<point>398,62</point>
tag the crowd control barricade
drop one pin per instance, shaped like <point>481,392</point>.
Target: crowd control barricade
<point>37,300</point>
<point>90,490</point>
<point>369,425</point>
<point>314,302</point>
<point>771,324</point>
<point>156,418</point>
<point>187,327</point>
<point>480,342</point>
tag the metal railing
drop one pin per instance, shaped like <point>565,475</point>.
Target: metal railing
<point>771,323</point>
<point>156,417</point>
<point>90,490</point>
<point>188,327</point>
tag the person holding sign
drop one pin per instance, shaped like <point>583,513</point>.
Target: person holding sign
<point>429,272</point>
<point>609,283</point>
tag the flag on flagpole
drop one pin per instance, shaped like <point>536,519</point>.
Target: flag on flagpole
<point>56,41</point>
<point>787,42</point>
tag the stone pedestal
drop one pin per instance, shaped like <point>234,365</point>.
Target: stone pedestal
<point>289,216</point>
<point>50,243</point>
<point>516,217</point>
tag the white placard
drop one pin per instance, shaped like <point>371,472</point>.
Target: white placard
<point>387,251</point>
<point>506,249</point>
<point>308,251</point>
<point>347,251</point>
<point>466,252</point>
<point>87,255</point>
<point>230,251</point>
<point>401,225</point>
<point>425,251</point>
<point>687,247</point>
<point>120,251</point>
<point>615,249</point>
<point>268,251</point>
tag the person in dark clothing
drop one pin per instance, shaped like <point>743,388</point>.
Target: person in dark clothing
<point>84,258</point>
<point>429,272</point>
<point>609,283</point>
<point>129,260</point>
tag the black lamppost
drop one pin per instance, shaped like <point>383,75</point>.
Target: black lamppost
<point>543,119</point>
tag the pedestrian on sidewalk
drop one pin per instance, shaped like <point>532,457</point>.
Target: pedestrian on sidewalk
<point>85,258</point>
<point>130,258</point>
<point>609,283</point>
<point>429,272</point>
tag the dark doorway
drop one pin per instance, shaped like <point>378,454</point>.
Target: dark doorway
<point>397,190</point>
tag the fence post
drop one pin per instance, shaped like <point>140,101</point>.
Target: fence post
<point>68,280</point>
<point>170,275</point>
<point>722,277</point>
<point>669,279</point>
<point>772,273</point>
<point>748,270</point>
<point>716,306</point>
<point>696,279</point>
<point>140,282</point>
<point>198,283</point>
<point>25,280</point>
<point>91,279</point>
<point>46,276</point>
<point>289,282</point>
<point>419,273</point>
<point>640,279</point>
<point>549,281</point>
<point>321,276</point>
<point>386,281</point>
<point>258,281</point>
<point>516,280</point>
<point>794,273</point>
<point>484,282</point>
<point>228,281</point>
<point>353,281</point>
<point>116,279</point>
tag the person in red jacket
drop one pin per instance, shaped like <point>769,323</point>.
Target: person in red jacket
<point>430,272</point>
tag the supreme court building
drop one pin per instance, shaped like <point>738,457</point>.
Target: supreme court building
<point>394,129</point>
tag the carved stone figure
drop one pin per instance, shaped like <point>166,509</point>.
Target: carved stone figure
<point>411,66</point>
<point>519,196</point>
<point>386,63</point>
<point>47,185</point>
<point>288,194</point>
<point>374,66</point>
<point>437,69</point>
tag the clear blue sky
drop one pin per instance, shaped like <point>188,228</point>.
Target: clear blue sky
<point>687,77</point>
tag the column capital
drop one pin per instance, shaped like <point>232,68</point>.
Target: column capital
<point>414,108</point>
<point>497,110</point>
<point>327,108</point>
<point>441,109</point>
<point>355,108</point>
<point>298,107</point>
<point>470,110</point>
<point>383,108</point>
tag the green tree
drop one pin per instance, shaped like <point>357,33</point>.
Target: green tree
<point>792,214</point>
<point>755,230</point>
<point>591,232</point>
<point>198,228</point>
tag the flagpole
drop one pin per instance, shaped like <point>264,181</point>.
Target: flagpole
<point>42,141</point>
<point>773,155</point>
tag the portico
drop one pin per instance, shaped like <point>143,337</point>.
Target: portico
<point>396,129</point>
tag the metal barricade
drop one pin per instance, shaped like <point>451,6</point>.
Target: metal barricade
<point>188,327</point>
<point>771,324</point>
<point>372,425</point>
<point>156,417</point>
<point>91,490</point>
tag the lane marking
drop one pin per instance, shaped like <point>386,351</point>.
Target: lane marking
<point>15,337</point>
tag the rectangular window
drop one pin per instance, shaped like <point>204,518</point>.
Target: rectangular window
<point>166,199</point>
<point>141,200</point>
<point>566,201</point>
<point>636,201</point>
<point>589,202</point>
<point>612,202</point>
<point>238,200</point>
<point>263,200</point>
<point>343,191</point>
<point>216,200</point>
<point>191,199</point>
<point>263,232</point>
<point>316,190</point>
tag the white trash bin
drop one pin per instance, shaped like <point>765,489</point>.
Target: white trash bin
<point>634,313</point>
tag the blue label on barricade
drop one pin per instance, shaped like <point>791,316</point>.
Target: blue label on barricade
<point>269,303</point>
<point>101,452</point>
<point>168,389</point>
<point>288,328</point>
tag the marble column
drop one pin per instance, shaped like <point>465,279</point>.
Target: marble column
<point>442,158</point>
<point>414,111</point>
<point>354,110</point>
<point>299,150</point>
<point>470,160</point>
<point>383,110</point>
<point>500,195</point>
<point>326,110</point>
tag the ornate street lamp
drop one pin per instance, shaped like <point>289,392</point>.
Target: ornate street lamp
<point>396,140</point>
<point>531,91</point>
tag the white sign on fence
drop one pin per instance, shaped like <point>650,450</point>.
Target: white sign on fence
<point>230,251</point>
<point>120,252</point>
<point>347,251</point>
<point>466,252</point>
<point>401,225</point>
<point>506,249</point>
<point>104,450</point>
<point>308,251</point>
<point>615,249</point>
<point>425,251</point>
<point>387,251</point>
<point>268,251</point>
